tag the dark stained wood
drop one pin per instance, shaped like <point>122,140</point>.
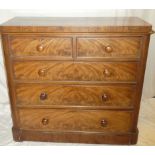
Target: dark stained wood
<point>75,95</point>
<point>76,24</point>
<point>75,79</point>
<point>75,71</point>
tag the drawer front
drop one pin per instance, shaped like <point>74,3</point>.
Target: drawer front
<point>75,71</point>
<point>76,95</point>
<point>75,120</point>
<point>41,46</point>
<point>122,47</point>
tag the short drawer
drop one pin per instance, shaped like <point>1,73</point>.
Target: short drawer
<point>75,95</point>
<point>113,47</point>
<point>56,47</point>
<point>75,120</point>
<point>75,71</point>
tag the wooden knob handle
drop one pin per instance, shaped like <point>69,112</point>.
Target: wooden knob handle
<point>45,121</point>
<point>108,49</point>
<point>42,72</point>
<point>105,97</point>
<point>43,96</point>
<point>40,48</point>
<point>107,73</point>
<point>104,123</point>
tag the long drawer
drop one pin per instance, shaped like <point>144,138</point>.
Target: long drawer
<point>75,95</point>
<point>75,71</point>
<point>75,120</point>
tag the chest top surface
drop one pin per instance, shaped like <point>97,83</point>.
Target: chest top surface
<point>76,24</point>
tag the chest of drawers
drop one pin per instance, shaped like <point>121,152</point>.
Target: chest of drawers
<point>75,79</point>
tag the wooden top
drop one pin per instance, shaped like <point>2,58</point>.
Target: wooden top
<point>76,24</point>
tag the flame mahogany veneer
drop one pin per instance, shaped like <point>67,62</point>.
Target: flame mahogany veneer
<point>75,79</point>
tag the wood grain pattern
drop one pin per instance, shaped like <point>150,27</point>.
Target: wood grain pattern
<point>76,24</point>
<point>75,71</point>
<point>145,124</point>
<point>75,120</point>
<point>9,80</point>
<point>41,46</point>
<point>126,47</point>
<point>128,138</point>
<point>79,62</point>
<point>76,95</point>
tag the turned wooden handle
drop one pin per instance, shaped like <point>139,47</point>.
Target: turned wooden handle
<point>45,121</point>
<point>43,96</point>
<point>105,97</point>
<point>104,123</point>
<point>40,48</point>
<point>107,73</point>
<point>108,49</point>
<point>42,72</point>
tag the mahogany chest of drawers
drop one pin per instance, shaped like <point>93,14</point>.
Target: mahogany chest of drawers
<point>75,79</point>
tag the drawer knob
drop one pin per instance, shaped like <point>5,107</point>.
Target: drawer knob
<point>104,123</point>
<point>40,48</point>
<point>105,97</point>
<point>108,49</point>
<point>42,72</point>
<point>45,121</point>
<point>107,73</point>
<point>43,96</point>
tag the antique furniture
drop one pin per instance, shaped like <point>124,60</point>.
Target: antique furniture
<point>75,79</point>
